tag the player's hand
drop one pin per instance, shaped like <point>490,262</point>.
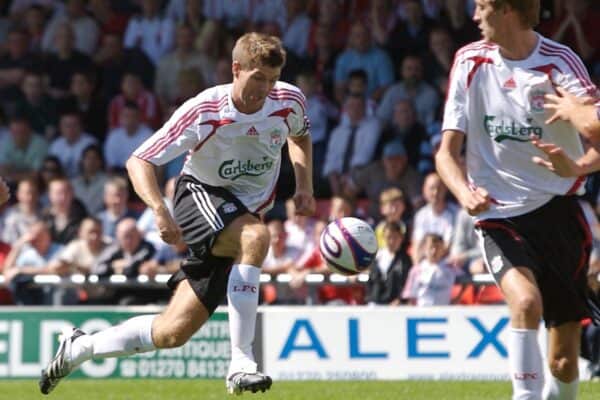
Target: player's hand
<point>4,192</point>
<point>558,161</point>
<point>304,203</point>
<point>168,229</point>
<point>564,105</point>
<point>476,201</point>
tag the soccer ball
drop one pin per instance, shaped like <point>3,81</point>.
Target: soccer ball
<point>348,245</point>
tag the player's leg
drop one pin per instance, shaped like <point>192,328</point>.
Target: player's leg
<point>184,315</point>
<point>249,237</point>
<point>564,342</point>
<point>525,359</point>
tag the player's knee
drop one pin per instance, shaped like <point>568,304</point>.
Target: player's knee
<point>169,335</point>
<point>256,239</point>
<point>563,367</point>
<point>528,306</point>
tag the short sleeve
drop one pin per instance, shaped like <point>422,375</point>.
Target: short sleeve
<point>298,120</point>
<point>178,135</point>
<point>575,77</point>
<point>455,110</point>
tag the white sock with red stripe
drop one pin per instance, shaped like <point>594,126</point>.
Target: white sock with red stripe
<point>525,364</point>
<point>242,296</point>
<point>556,389</point>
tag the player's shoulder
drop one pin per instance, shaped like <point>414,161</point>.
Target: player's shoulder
<point>288,95</point>
<point>558,52</point>
<point>212,99</point>
<point>481,48</point>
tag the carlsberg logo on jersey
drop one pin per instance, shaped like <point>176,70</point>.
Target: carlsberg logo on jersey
<point>233,169</point>
<point>509,130</point>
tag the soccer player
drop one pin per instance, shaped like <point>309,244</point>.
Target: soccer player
<point>535,239</point>
<point>4,192</point>
<point>233,135</point>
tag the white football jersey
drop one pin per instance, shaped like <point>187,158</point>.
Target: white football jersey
<point>229,149</point>
<point>498,104</point>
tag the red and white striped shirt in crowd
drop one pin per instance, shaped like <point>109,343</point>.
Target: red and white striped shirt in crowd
<point>226,148</point>
<point>147,103</point>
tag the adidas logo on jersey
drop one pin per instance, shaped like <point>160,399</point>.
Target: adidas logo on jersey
<point>252,131</point>
<point>510,83</point>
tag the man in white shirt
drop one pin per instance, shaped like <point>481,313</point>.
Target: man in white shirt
<point>531,227</point>
<point>69,147</point>
<point>122,141</point>
<point>233,135</point>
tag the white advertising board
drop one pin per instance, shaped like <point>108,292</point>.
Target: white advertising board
<point>385,342</point>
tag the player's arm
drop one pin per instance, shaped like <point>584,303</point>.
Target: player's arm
<point>143,178</point>
<point>300,151</point>
<point>578,111</point>
<point>447,162</point>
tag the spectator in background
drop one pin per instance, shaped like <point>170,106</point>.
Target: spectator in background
<point>132,90</point>
<point>51,169</point>
<point>29,256</point>
<point>122,141</point>
<point>189,84</point>
<point>436,216</point>
<point>456,18</point>
<point>22,153</point>
<point>80,254</point>
<point>62,64</point>
<point>114,61</point>
<point>438,59</point>
<point>34,24</point>
<point>127,254</point>
<point>393,209</point>
<point>465,253</point>
<point>223,72</point>
<point>412,87</point>
<point>20,217</point>
<point>323,57</point>
<point>297,28</point>
<point>352,143</point>
<point>320,112</point>
<point>393,170</point>
<point>108,19</point>
<point>388,274</point>
<point>91,106</point>
<point>13,65</point>
<point>430,281</point>
<point>357,84</point>
<point>412,35</point>
<point>331,19</point>
<point>361,54</point>
<point>150,31</point>
<point>64,213</point>
<point>36,106</point>
<point>405,127</point>
<point>383,19</point>
<point>116,196</point>
<point>69,146</point>
<point>280,259</point>
<point>341,207</point>
<point>89,184</point>
<point>85,28</point>
<point>298,228</point>
<point>182,58</point>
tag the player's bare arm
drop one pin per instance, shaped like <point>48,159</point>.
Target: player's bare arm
<point>143,177</point>
<point>561,164</point>
<point>300,150</point>
<point>448,167</point>
<point>4,192</point>
<point>581,112</point>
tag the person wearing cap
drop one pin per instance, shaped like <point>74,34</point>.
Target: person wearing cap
<point>392,170</point>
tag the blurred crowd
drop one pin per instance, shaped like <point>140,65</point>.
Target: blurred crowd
<point>84,83</point>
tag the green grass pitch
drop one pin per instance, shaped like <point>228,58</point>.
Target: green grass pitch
<point>308,390</point>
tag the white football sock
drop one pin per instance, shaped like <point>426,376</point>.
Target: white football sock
<point>130,337</point>
<point>525,364</point>
<point>556,389</point>
<point>242,296</point>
